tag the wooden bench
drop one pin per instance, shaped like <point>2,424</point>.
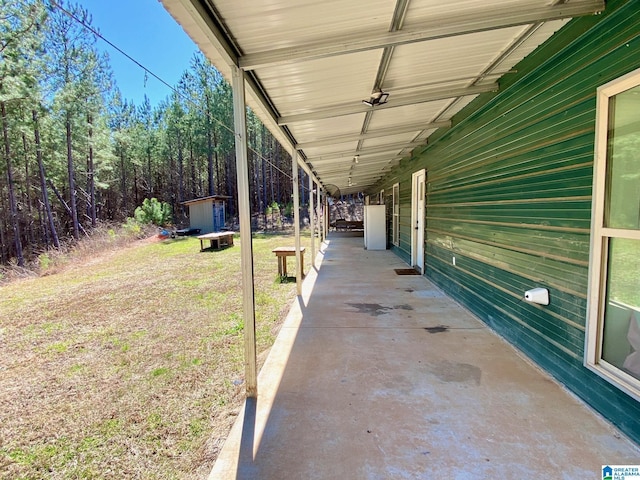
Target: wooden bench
<point>282,253</point>
<point>220,239</point>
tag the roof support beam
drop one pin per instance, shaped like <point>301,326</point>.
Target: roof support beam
<point>472,23</point>
<point>246,252</point>
<point>365,153</point>
<point>335,161</point>
<point>318,219</point>
<point>296,218</point>
<point>341,175</point>
<point>336,139</point>
<point>312,223</point>
<point>398,101</point>
<point>362,166</point>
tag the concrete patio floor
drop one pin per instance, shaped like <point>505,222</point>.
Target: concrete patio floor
<point>381,376</point>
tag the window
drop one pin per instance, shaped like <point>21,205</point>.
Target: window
<point>613,335</point>
<point>395,228</point>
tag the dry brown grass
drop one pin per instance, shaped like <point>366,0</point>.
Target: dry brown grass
<point>128,364</point>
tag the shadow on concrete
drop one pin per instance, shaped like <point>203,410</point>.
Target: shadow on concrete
<point>377,376</point>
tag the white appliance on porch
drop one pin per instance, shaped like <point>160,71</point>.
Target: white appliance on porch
<point>375,235</point>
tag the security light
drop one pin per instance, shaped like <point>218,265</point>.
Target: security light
<point>377,98</point>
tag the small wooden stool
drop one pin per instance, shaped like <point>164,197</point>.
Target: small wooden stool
<point>282,253</point>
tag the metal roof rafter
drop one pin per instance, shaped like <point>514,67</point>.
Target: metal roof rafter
<point>473,22</point>
<point>343,166</point>
<point>366,152</point>
<point>398,101</point>
<point>337,139</point>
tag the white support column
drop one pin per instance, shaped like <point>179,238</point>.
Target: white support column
<point>327,215</point>
<point>296,217</point>
<point>319,206</point>
<point>312,223</point>
<point>246,247</point>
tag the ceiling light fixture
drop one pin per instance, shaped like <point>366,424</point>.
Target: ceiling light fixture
<point>377,98</point>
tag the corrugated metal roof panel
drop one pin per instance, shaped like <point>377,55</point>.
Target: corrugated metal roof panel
<point>271,24</point>
<point>539,36</point>
<point>454,61</point>
<point>424,11</point>
<point>321,59</point>
<point>327,127</point>
<point>308,86</point>
<point>407,115</point>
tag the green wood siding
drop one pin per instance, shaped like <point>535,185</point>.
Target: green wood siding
<point>509,195</point>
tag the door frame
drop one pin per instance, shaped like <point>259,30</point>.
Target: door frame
<point>418,209</point>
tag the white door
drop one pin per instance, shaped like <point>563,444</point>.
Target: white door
<point>417,219</point>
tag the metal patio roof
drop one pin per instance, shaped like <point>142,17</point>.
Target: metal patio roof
<point>311,63</point>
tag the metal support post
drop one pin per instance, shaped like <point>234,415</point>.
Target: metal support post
<point>246,248</point>
<point>327,216</point>
<point>312,223</point>
<point>296,217</point>
<point>320,216</point>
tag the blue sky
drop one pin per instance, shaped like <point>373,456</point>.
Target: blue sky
<point>146,31</point>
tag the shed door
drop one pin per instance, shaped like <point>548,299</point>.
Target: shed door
<point>218,216</point>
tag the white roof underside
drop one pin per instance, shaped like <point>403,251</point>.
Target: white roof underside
<point>310,64</point>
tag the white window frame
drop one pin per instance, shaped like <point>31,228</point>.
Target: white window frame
<point>395,215</point>
<point>600,236</point>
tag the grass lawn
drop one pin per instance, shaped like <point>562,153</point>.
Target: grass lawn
<point>130,364</point>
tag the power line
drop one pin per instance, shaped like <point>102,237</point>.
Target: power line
<point>157,77</point>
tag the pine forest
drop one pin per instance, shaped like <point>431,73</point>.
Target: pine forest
<point>76,154</point>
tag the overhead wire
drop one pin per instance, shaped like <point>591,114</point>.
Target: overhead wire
<point>161,80</point>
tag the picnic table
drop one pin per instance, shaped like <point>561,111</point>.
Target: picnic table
<point>282,253</point>
<point>220,239</point>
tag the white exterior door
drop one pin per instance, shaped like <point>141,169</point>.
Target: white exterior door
<point>417,219</point>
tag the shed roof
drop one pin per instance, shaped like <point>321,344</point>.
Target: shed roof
<point>209,199</point>
<point>311,64</point>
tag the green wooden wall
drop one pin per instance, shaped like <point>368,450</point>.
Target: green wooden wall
<point>509,195</point>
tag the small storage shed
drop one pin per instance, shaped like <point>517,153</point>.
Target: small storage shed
<point>207,213</point>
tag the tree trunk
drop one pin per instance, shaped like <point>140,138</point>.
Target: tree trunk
<point>192,166</point>
<point>219,175</point>
<point>209,147</point>
<point>73,207</point>
<point>149,174</point>
<point>180,176</point>
<point>123,181</point>
<point>3,242</point>
<point>13,209</point>
<point>278,176</point>
<point>91,186</point>
<point>65,205</point>
<point>43,182</point>
<point>271,182</point>
<point>264,154</point>
<point>231,180</point>
<point>27,191</point>
<point>136,194</point>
